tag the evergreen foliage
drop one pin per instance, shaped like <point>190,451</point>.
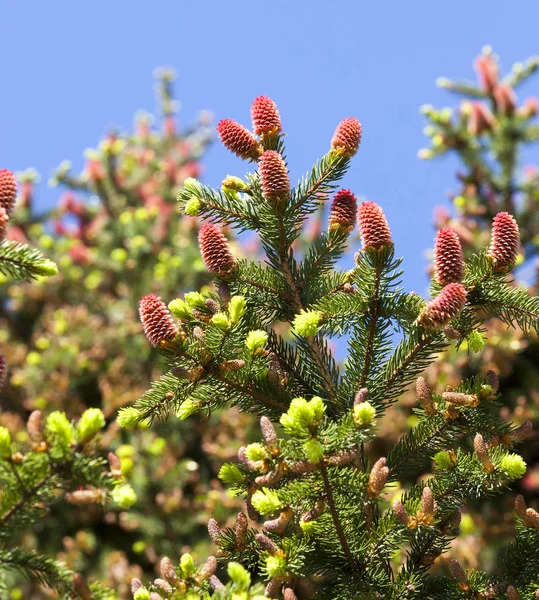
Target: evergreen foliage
<point>312,484</point>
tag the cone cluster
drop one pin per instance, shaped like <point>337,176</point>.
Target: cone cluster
<point>156,319</point>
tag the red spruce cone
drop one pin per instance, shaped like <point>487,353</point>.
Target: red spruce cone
<point>480,119</point>
<point>448,258</point>
<point>504,242</point>
<point>265,116</point>
<point>343,211</point>
<point>8,190</point>
<point>156,319</point>
<point>347,136</point>
<point>216,253</point>
<point>273,176</point>
<point>445,307</point>
<point>373,226</point>
<point>238,140</point>
<point>506,99</point>
<point>487,71</point>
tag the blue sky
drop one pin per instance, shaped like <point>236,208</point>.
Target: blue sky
<point>72,69</point>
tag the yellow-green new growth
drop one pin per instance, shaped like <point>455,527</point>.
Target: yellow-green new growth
<point>302,418</point>
<point>180,309</point>
<point>266,501</point>
<point>124,496</point>
<point>513,465</point>
<point>236,308</point>
<point>221,321</point>
<point>128,417</point>
<point>58,424</point>
<point>5,443</point>
<point>91,421</point>
<point>256,340</point>
<point>306,323</point>
<point>364,414</point>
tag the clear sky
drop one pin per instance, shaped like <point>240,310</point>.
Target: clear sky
<point>72,69</point>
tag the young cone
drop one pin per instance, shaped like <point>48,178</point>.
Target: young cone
<point>445,307</point>
<point>343,211</point>
<point>487,72</point>
<point>504,242</point>
<point>347,137</point>
<point>8,190</point>
<point>238,140</point>
<point>373,227</point>
<point>215,250</point>
<point>506,99</point>
<point>265,116</point>
<point>480,119</point>
<point>273,176</point>
<point>448,258</point>
<point>156,319</point>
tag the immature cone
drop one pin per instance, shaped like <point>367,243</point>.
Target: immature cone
<point>167,570</point>
<point>157,322</point>
<point>424,396</point>
<point>504,242</point>
<point>242,525</point>
<point>273,176</point>
<point>289,594</point>
<point>347,137</point>
<point>238,140</point>
<point>487,71</point>
<point>8,190</point>
<point>3,370</point>
<point>378,478</point>
<point>373,226</point>
<point>4,219</point>
<point>343,211</point>
<point>481,451</point>
<point>532,518</point>
<point>459,574</point>
<point>445,307</point>
<point>506,99</point>
<point>512,593</point>
<point>208,568</point>
<point>265,116</point>
<point>520,508</point>
<point>81,587</point>
<point>480,119</point>
<point>493,380</point>
<point>400,512</point>
<point>214,530</point>
<point>267,544</point>
<point>428,504</point>
<point>34,427</point>
<point>448,258</point>
<point>268,431</point>
<point>215,250</point>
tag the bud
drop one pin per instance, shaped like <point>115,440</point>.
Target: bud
<point>279,524</point>
<point>141,594</point>
<point>238,140</point>
<point>487,72</point>
<point>504,242</point>
<point>215,584</point>
<point>84,497</point>
<point>81,587</point>
<point>400,512</point>
<point>156,319</point>
<point>521,508</point>
<point>162,585</point>
<point>124,496</point>
<point>242,526</point>
<point>373,226</point>
<point>481,451</point>
<point>306,323</point>
<point>265,116</point>
<point>274,179</point>
<point>343,212</point>
<point>231,365</point>
<point>343,457</point>
<point>480,119</point>
<point>192,207</point>
<point>34,427</point>
<point>459,574</point>
<point>512,593</point>
<point>136,584</point>
<point>448,257</point>
<point>221,321</point>
<point>268,431</point>
<point>236,308</point>
<point>445,307</point>
<point>520,433</point>
<point>428,504</point>
<point>91,421</point>
<point>256,340</point>
<point>493,381</point>
<point>303,417</point>
<point>8,191</point>
<point>215,251</point>
<point>180,309</point>
<point>378,478</point>
<point>506,99</point>
<point>461,399</point>
<point>363,414</point>
<point>424,396</point>
<point>532,517</point>
<point>361,396</point>
<point>167,570</point>
<point>214,530</point>
<point>347,137</point>
<point>267,544</point>
<point>58,424</point>
<point>231,185</point>
<point>5,443</point>
<point>266,501</point>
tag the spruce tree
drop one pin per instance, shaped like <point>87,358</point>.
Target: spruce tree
<point>317,520</point>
